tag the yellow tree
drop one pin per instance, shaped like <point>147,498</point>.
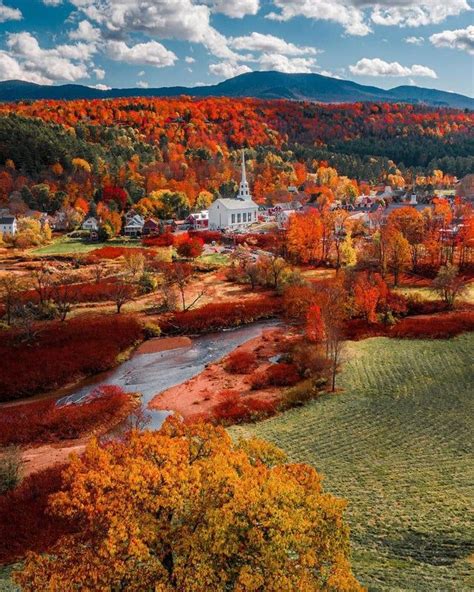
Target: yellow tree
<point>186,509</point>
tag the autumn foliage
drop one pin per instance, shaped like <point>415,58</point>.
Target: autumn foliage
<point>62,352</point>
<point>187,509</point>
<point>25,522</point>
<point>235,408</point>
<point>45,421</point>
<point>240,362</point>
<point>281,374</point>
<point>215,316</point>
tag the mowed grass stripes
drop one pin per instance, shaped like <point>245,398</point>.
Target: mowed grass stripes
<point>397,444</point>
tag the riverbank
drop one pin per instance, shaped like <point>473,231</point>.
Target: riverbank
<point>197,398</point>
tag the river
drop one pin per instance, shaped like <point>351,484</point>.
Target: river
<point>153,373</point>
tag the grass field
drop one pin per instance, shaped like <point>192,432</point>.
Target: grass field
<point>71,246</point>
<point>397,444</point>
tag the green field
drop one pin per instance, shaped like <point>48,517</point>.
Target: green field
<point>72,246</point>
<point>397,444</point>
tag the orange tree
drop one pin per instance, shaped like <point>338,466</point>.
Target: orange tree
<point>187,509</point>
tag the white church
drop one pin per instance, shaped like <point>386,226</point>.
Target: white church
<point>234,213</point>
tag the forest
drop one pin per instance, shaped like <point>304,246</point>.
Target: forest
<point>59,154</point>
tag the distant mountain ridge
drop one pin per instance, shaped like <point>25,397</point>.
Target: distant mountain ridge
<point>261,85</point>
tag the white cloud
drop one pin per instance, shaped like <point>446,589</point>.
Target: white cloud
<point>61,63</point>
<point>189,60</point>
<point>228,69</point>
<point>270,44</point>
<point>11,69</point>
<point>99,73</point>
<point>142,84</point>
<point>234,8</point>
<point>378,67</point>
<point>355,15</point>
<point>85,32</point>
<point>101,86</point>
<point>163,19</point>
<point>414,40</point>
<point>462,39</point>
<point>9,14</point>
<point>52,2</point>
<point>152,53</point>
<point>282,63</point>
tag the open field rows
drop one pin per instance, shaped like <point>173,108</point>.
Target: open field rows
<point>397,444</point>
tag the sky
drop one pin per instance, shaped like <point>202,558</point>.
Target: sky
<point>151,43</point>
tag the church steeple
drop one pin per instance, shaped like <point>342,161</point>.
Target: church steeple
<point>244,192</point>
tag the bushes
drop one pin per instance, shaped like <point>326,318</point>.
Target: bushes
<point>301,393</point>
<point>276,375</point>
<point>241,362</point>
<point>213,317</point>
<point>43,422</point>
<point>9,468</point>
<point>62,353</point>
<point>26,524</point>
<point>113,253</point>
<point>207,236</point>
<point>234,408</point>
<point>434,327</point>
<point>163,240</point>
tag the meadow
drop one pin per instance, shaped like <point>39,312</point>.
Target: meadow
<point>396,442</point>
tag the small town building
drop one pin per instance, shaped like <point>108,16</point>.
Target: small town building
<point>90,224</point>
<point>151,226</point>
<point>234,213</point>
<point>8,225</point>
<point>134,226</point>
<point>198,220</point>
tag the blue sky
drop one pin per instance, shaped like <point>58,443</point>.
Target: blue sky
<point>125,43</point>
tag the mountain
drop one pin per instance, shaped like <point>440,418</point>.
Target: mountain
<point>262,85</point>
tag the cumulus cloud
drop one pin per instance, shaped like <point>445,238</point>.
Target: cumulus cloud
<point>33,63</point>
<point>378,67</point>
<point>9,14</point>
<point>164,19</point>
<point>142,84</point>
<point>85,32</point>
<point>356,16</point>
<point>234,8</point>
<point>151,53</point>
<point>52,2</point>
<point>462,39</point>
<point>189,60</point>
<point>414,40</point>
<point>101,86</point>
<point>228,69</point>
<point>99,73</point>
<point>282,63</point>
<point>270,44</point>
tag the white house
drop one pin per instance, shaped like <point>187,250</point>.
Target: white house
<point>283,218</point>
<point>198,219</point>
<point>134,225</point>
<point>8,225</point>
<point>235,213</point>
<point>90,224</point>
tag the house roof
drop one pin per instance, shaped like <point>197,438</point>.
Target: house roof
<point>235,204</point>
<point>7,219</point>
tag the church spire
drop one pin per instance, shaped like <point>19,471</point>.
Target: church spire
<point>244,192</point>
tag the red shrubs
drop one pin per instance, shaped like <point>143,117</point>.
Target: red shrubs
<point>207,236</point>
<point>190,248</point>
<point>111,252</point>
<point>236,408</point>
<point>276,375</point>
<point>63,352</point>
<point>163,240</point>
<point>241,362</point>
<point>213,317</point>
<point>41,422</point>
<point>25,522</point>
<point>435,327</point>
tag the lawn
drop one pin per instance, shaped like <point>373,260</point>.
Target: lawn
<point>72,246</point>
<point>220,259</point>
<point>426,293</point>
<point>397,444</point>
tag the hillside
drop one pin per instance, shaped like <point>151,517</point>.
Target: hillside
<point>264,85</point>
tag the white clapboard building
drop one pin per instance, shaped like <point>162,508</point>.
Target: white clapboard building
<point>234,213</point>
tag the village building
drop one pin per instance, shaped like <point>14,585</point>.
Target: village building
<point>152,226</point>
<point>134,225</point>
<point>198,220</point>
<point>236,213</point>
<point>8,225</point>
<point>90,224</point>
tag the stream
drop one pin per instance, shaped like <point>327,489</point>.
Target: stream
<point>153,373</point>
